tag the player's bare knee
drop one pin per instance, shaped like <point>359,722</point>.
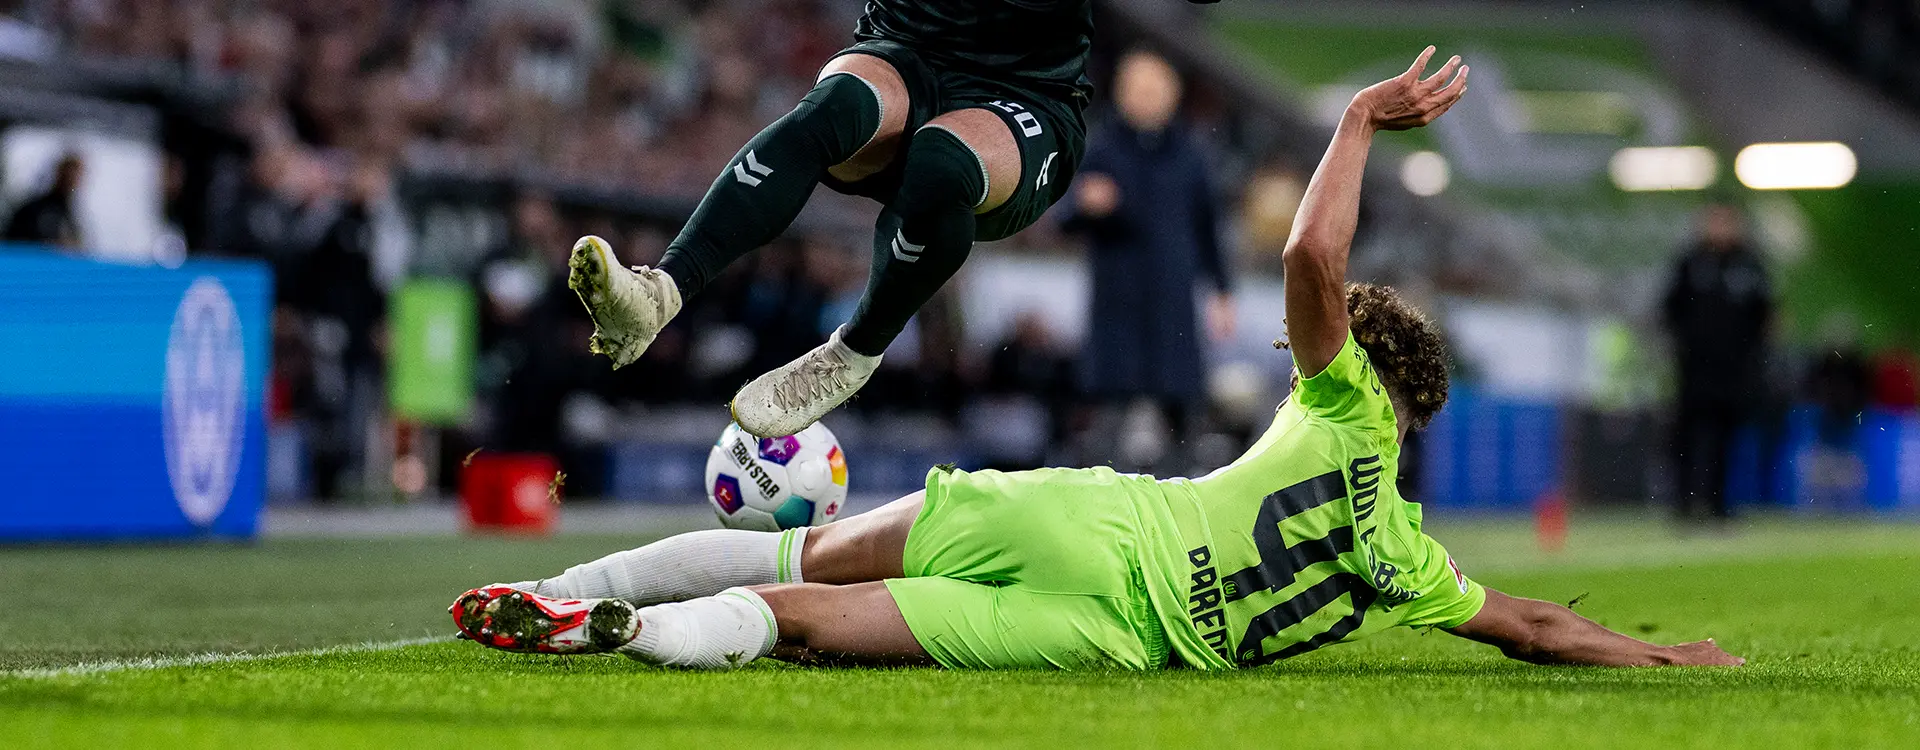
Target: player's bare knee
<point>866,547</point>
<point>828,553</point>
<point>891,92</point>
<point>992,142</point>
<point>794,610</point>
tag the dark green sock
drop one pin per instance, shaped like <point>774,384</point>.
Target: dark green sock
<point>758,195</point>
<point>932,225</point>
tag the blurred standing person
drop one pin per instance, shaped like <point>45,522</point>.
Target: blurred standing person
<point>1022,404</point>
<point>1146,205</point>
<point>313,228</point>
<point>1718,308</point>
<point>1835,476</point>
<point>529,326</point>
<point>49,218</point>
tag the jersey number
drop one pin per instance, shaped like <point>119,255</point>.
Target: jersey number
<point>1029,125</point>
<point>1280,564</point>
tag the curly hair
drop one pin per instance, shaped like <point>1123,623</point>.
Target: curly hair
<point>1406,349</point>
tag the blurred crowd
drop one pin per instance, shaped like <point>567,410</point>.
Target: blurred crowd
<point>646,93</point>
<point>327,111</point>
<point>329,107</point>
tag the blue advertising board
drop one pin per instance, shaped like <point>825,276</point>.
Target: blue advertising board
<point>131,398</point>
<point>1486,452</point>
<point>1870,461</point>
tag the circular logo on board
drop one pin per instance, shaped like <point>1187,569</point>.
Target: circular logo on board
<point>202,405</point>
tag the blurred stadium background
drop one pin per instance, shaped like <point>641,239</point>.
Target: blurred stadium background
<point>309,257</point>
<point>291,274</point>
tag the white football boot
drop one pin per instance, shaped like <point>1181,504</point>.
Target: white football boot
<point>799,393</point>
<point>629,307</point>
<point>509,619</point>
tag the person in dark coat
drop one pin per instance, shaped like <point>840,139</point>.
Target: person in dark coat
<point>49,218</point>
<point>1718,308</point>
<point>1146,205</point>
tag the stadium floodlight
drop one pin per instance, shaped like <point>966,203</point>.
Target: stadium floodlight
<point>1425,173</point>
<point>1643,168</point>
<point>1795,166</point>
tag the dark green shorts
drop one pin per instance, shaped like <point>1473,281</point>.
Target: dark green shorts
<point>1031,569</point>
<point>1052,134</point>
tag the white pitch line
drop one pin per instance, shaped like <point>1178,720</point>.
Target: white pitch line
<point>167,662</point>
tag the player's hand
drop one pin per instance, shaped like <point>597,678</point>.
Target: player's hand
<point>1097,194</point>
<point>1703,654</point>
<point>1407,101</point>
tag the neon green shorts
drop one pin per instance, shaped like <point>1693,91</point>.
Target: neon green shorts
<point>1031,569</point>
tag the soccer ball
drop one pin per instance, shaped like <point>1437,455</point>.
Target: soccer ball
<point>776,483</point>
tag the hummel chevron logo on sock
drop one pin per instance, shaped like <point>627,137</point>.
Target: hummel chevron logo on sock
<point>904,250</point>
<point>740,171</point>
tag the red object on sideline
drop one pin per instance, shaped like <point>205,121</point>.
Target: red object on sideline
<point>1896,380</point>
<point>509,492</point>
<point>1550,520</point>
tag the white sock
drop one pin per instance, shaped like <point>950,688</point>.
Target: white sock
<point>723,631</point>
<point>678,568</point>
<point>863,364</point>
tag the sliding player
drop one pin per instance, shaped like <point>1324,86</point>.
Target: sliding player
<point>962,117</point>
<point>1302,542</point>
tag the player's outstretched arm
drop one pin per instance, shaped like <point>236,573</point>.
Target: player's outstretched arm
<point>1316,254</point>
<point>1546,633</point>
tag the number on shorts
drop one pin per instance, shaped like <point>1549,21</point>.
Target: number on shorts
<point>1029,125</point>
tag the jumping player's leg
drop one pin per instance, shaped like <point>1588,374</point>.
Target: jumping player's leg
<point>866,547</point>
<point>849,126</point>
<point>961,164</point>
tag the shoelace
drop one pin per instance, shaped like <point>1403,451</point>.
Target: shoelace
<point>641,280</point>
<point>816,377</point>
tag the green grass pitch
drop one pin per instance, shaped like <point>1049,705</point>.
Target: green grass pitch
<point>108,646</point>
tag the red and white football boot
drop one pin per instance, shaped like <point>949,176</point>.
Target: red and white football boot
<point>509,619</point>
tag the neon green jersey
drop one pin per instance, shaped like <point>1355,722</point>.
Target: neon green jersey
<point>1304,540</point>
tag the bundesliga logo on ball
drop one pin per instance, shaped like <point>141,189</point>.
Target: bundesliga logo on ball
<point>776,483</point>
